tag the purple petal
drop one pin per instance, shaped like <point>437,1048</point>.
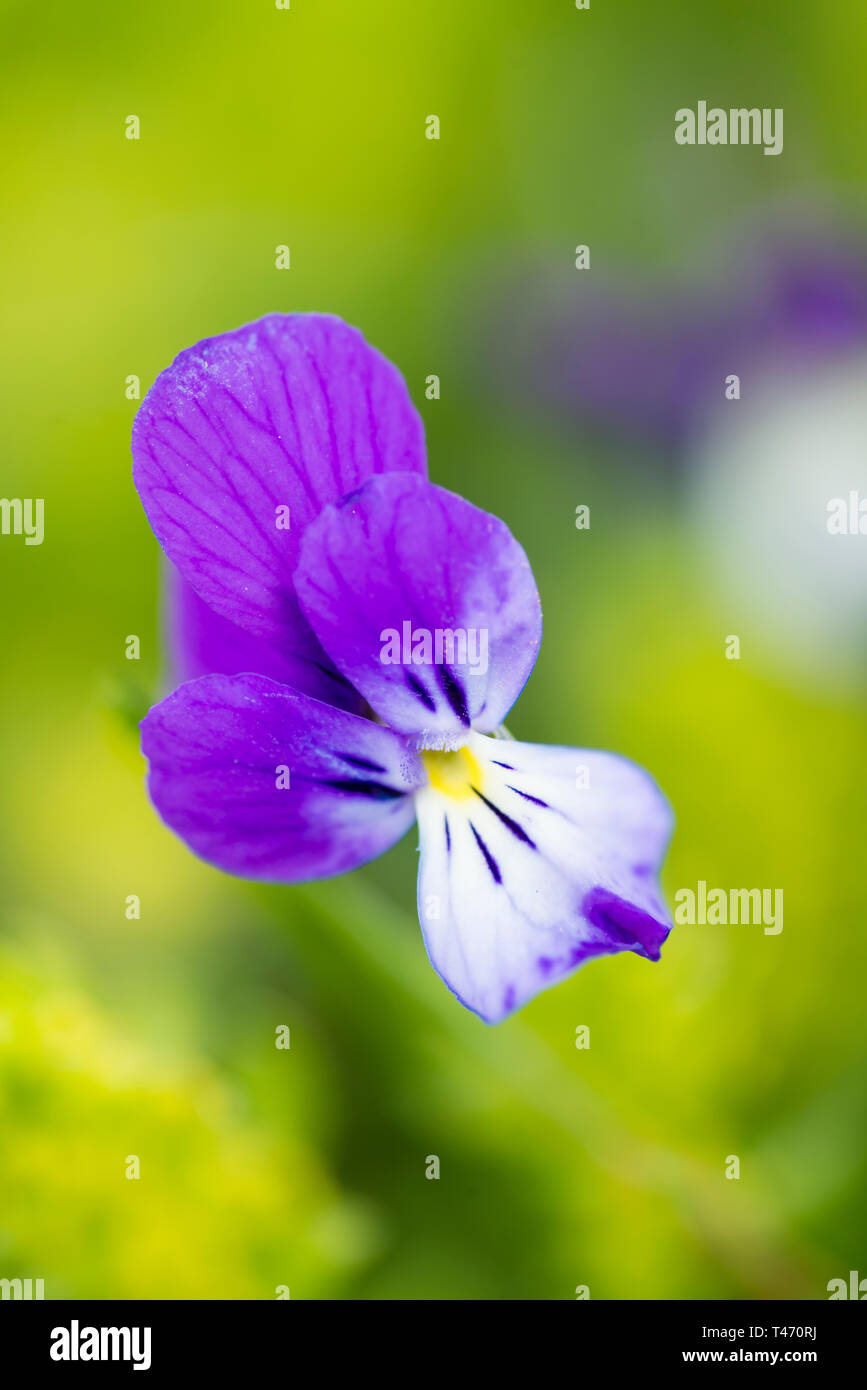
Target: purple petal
<point>201,643</point>
<point>290,412</point>
<point>545,858</point>
<point>425,603</point>
<point>219,749</point>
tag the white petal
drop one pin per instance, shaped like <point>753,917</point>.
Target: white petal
<point>549,862</point>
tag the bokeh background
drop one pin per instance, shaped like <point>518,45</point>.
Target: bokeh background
<point>559,1167</point>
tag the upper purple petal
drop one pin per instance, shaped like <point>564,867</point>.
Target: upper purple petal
<point>269,784</point>
<point>291,411</point>
<point>200,643</point>
<point>404,557</point>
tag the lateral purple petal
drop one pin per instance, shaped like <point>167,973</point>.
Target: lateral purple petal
<point>245,437</point>
<point>269,784</point>
<point>425,603</point>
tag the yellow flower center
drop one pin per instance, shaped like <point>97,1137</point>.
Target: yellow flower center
<point>453,774</point>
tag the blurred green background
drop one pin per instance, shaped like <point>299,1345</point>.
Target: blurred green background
<point>306,1168</point>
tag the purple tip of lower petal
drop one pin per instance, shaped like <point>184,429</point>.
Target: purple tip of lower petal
<point>630,926</point>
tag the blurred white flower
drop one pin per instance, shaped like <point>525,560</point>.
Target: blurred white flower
<point>763,477</point>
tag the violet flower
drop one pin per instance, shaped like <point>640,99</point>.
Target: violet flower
<point>362,662</point>
<point>647,358</point>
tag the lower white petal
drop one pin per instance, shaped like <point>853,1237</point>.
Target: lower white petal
<point>533,860</point>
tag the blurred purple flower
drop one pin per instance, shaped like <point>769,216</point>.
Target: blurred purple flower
<point>650,362</point>
<point>296,751</point>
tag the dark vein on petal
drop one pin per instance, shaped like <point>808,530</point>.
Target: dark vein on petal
<point>418,689</point>
<point>454,693</point>
<point>299,464</point>
<point>526,795</point>
<point>366,764</point>
<point>332,431</point>
<point>489,858</point>
<point>375,790</point>
<point>510,824</point>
